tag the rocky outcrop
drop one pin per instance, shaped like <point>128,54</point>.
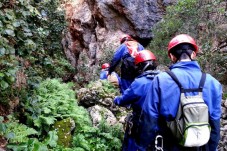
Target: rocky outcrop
<point>95,26</point>
<point>223,141</point>
<point>99,113</point>
<point>98,97</point>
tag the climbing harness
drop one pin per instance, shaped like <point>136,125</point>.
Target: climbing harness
<point>159,143</point>
<point>129,123</point>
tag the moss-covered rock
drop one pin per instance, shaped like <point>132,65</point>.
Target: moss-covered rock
<point>64,129</point>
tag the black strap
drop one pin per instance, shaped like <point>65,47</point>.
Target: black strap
<point>199,89</point>
<point>126,56</point>
<point>173,76</point>
<point>202,81</point>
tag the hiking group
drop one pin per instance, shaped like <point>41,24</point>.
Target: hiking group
<point>175,110</point>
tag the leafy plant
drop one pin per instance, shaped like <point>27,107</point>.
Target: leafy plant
<point>101,138</point>
<point>30,41</point>
<point>15,132</point>
<point>52,100</point>
<point>196,18</point>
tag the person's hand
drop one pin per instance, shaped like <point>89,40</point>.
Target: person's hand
<point>113,105</point>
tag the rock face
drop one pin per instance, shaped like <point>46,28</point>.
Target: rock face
<point>223,140</point>
<point>95,26</point>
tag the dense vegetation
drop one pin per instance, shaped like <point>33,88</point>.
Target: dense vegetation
<point>31,61</point>
<point>30,48</point>
<point>32,66</point>
<point>203,20</point>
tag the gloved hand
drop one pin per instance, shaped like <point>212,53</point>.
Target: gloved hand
<point>113,106</point>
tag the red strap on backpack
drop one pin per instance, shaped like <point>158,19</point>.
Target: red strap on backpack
<point>132,48</point>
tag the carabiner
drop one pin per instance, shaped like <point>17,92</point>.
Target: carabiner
<point>159,143</point>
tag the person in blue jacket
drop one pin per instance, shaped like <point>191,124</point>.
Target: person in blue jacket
<point>104,75</point>
<point>125,53</point>
<point>104,71</point>
<point>161,103</point>
<point>145,62</point>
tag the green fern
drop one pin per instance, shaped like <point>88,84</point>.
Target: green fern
<point>16,132</point>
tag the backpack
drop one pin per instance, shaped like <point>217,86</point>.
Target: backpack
<point>129,60</point>
<point>191,124</point>
<point>113,78</point>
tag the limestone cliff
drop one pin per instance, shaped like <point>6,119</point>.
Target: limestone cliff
<point>95,26</point>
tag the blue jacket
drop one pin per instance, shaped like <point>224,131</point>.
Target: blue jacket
<point>135,94</point>
<point>134,97</point>
<point>122,52</point>
<point>103,74</point>
<point>161,104</point>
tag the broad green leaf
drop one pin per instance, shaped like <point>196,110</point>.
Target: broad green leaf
<point>48,120</point>
<point>16,23</point>
<point>2,128</point>
<point>1,13</point>
<point>26,13</point>
<point>1,25</point>
<point>9,26</point>
<point>12,72</point>
<point>4,84</point>
<point>18,147</point>
<point>2,74</point>
<point>10,135</point>
<point>30,44</point>
<point>28,34</point>
<point>10,79</point>
<point>11,50</point>
<point>39,147</point>
<point>2,51</point>
<point>1,119</point>
<point>21,1</point>
<point>10,14</point>
<point>46,110</point>
<point>37,122</point>
<point>27,30</point>
<point>9,32</point>
<point>52,139</point>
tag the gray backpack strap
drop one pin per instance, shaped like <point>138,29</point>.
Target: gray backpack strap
<point>199,89</point>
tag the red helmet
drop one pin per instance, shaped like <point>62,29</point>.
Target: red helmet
<point>105,65</point>
<point>144,55</point>
<point>124,38</point>
<point>182,38</point>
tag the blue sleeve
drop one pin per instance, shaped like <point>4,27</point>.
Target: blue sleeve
<point>215,113</point>
<point>214,97</point>
<point>128,96</point>
<point>117,57</point>
<point>215,134</point>
<point>103,75</point>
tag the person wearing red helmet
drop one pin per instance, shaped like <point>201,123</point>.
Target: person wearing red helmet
<point>112,78</point>
<point>125,54</point>
<point>145,62</point>
<point>104,71</point>
<point>162,102</point>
